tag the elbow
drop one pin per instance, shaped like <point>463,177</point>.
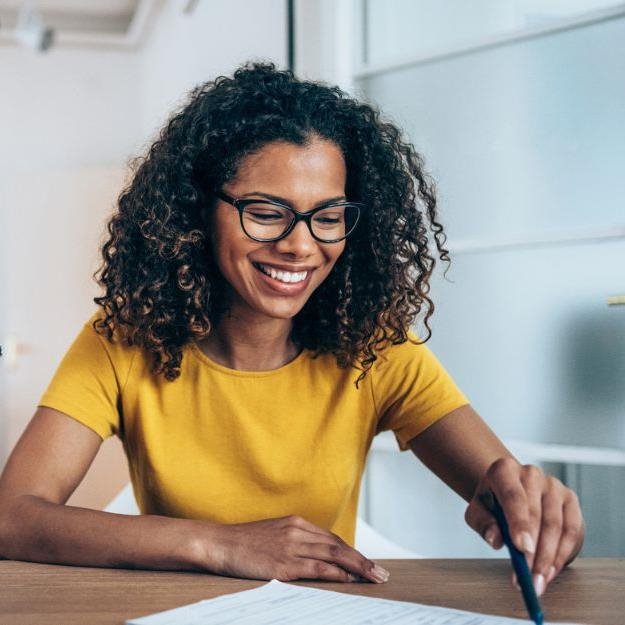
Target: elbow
<point>5,529</point>
<point>12,518</point>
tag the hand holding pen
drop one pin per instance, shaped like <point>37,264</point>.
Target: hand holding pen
<point>543,516</point>
<point>519,562</point>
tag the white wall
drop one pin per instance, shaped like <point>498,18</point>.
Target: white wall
<point>185,50</point>
<point>69,121</point>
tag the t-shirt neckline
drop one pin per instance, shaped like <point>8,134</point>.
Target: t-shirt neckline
<point>200,355</point>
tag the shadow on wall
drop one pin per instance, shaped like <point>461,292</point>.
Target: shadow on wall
<point>591,406</point>
<point>591,411</point>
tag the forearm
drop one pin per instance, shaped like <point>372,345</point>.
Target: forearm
<point>459,449</point>
<point>40,531</point>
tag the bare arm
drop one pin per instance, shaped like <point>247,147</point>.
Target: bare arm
<point>47,464</point>
<point>51,459</point>
<point>543,515</point>
<point>459,449</point>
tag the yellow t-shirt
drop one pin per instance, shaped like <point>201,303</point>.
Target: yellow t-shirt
<point>235,446</point>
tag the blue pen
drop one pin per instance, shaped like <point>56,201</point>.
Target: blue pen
<point>519,563</point>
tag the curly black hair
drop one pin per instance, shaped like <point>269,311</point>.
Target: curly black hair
<point>162,286</point>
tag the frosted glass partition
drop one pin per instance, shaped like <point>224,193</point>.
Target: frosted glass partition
<point>525,139</point>
<point>529,337</point>
<point>407,28</point>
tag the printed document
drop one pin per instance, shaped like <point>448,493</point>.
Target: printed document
<point>277,603</point>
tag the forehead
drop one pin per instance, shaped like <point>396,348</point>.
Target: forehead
<point>281,167</point>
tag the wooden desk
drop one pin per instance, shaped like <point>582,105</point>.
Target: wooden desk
<point>591,591</point>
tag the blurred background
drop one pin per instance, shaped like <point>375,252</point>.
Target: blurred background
<point>518,107</point>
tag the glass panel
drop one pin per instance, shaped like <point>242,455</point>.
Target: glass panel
<point>526,141</point>
<point>525,138</point>
<point>408,28</point>
<point>529,337</point>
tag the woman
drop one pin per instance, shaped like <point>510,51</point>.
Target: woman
<point>275,239</point>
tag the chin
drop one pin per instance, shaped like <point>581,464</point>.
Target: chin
<point>281,313</point>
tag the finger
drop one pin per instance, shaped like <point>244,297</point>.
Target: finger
<point>550,532</point>
<point>318,569</point>
<point>372,570</point>
<point>506,485</point>
<point>572,533</point>
<point>483,522</point>
<point>345,557</point>
<point>534,482</point>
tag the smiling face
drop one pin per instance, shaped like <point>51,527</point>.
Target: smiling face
<point>304,177</point>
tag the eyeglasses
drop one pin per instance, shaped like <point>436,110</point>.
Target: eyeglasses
<point>266,220</point>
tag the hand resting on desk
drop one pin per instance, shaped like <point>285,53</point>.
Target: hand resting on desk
<point>50,460</point>
<point>285,548</point>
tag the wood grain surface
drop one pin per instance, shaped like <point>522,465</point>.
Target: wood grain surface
<point>591,591</point>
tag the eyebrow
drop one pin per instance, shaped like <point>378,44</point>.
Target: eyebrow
<point>277,198</point>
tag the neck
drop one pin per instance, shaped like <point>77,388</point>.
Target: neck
<point>250,344</point>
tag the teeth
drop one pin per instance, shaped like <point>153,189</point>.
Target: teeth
<point>283,276</point>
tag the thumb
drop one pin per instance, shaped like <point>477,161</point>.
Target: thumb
<point>480,519</point>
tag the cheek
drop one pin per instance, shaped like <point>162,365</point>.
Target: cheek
<point>228,244</point>
<point>331,259</point>
<point>336,253</point>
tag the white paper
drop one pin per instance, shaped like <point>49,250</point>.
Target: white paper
<point>277,603</point>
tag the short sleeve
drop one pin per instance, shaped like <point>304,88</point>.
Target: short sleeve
<point>412,390</point>
<point>88,381</point>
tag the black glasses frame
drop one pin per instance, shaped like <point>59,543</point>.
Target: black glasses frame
<point>241,203</point>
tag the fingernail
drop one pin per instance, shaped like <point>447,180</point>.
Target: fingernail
<point>527,542</point>
<point>380,574</point>
<point>515,582</point>
<point>539,584</point>
<point>489,536</point>
<point>351,578</point>
<point>550,574</point>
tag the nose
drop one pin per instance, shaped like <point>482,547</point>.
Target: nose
<point>298,242</point>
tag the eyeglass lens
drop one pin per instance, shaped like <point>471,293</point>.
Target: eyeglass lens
<point>266,221</point>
